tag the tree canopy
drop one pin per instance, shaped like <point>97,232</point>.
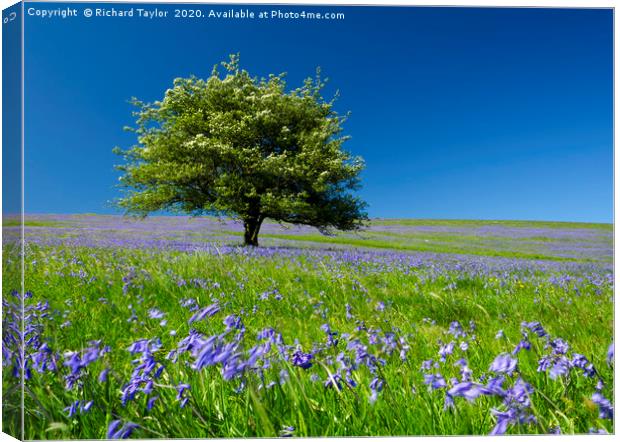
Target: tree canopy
<point>245,147</point>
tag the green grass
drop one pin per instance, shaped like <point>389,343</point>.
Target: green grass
<point>17,223</point>
<point>314,292</point>
<point>481,223</point>
<point>437,247</point>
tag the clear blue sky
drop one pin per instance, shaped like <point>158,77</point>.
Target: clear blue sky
<point>459,113</point>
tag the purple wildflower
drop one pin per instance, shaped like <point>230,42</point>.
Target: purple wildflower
<point>446,350</point>
<point>544,363</point>
<point>435,381</point>
<point>72,409</point>
<point>560,367</point>
<point>580,361</point>
<point>504,363</point>
<point>205,312</point>
<point>467,390</point>
<point>287,431</point>
<point>301,359</point>
<point>456,330</point>
<point>597,431</point>
<point>524,344</point>
<point>535,327</point>
<point>606,409</point>
<point>123,433</point>
<point>233,322</point>
<point>559,346</point>
<point>156,314</point>
<point>113,427</point>
<point>103,376</point>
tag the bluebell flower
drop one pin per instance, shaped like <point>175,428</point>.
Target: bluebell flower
<point>287,431</point>
<point>435,381</point>
<point>302,359</point>
<point>504,363</point>
<point>72,409</point>
<point>535,327</point>
<point>544,363</point>
<point>597,431</point>
<point>155,314</point>
<point>123,433</point>
<point>233,322</point>
<point>284,376</point>
<point>84,407</point>
<point>103,375</point>
<point>427,365</point>
<point>606,410</point>
<point>467,390</point>
<point>333,381</point>
<point>376,384</point>
<point>580,361</point>
<point>560,367</point>
<point>114,425</point>
<point>456,330</point>
<point>559,346</point>
<point>524,344</point>
<point>181,389</point>
<point>348,312</point>
<point>495,384</point>
<point>205,312</point>
<point>446,350</point>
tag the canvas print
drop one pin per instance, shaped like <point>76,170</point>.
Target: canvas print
<point>230,221</point>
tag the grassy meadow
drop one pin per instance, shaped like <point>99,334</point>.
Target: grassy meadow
<point>167,328</point>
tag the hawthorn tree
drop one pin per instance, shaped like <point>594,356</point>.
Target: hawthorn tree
<point>244,147</point>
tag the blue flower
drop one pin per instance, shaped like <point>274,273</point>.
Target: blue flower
<point>580,361</point>
<point>72,409</point>
<point>559,346</point>
<point>435,381</point>
<point>376,384</point>
<point>535,327</point>
<point>112,428</point>
<point>156,314</point>
<point>468,390</point>
<point>446,350</point>
<point>151,402</point>
<point>504,363</point>
<point>103,376</point>
<point>606,410</point>
<point>205,312</point>
<point>114,432</point>
<point>524,344</point>
<point>301,359</point>
<point>287,431</point>
<point>561,367</point>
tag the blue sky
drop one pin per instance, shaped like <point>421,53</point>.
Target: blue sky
<point>459,113</point>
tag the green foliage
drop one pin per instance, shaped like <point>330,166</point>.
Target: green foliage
<point>315,292</point>
<point>244,147</point>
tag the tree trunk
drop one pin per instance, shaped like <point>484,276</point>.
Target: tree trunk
<point>251,228</point>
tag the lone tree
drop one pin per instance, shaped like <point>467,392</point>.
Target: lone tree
<point>244,147</point>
